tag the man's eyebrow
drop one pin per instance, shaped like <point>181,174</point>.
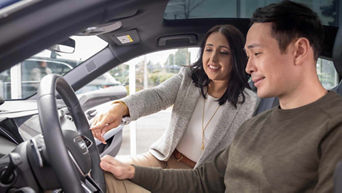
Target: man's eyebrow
<point>253,46</point>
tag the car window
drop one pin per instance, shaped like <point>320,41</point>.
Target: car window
<point>327,73</point>
<point>104,81</point>
<point>154,68</point>
<point>180,9</point>
<point>151,70</point>
<point>22,80</point>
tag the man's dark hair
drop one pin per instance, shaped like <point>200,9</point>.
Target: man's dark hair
<point>290,21</point>
<point>238,80</point>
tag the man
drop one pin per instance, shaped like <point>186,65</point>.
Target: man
<point>40,71</point>
<point>291,148</point>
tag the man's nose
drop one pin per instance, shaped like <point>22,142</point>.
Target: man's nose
<point>250,67</point>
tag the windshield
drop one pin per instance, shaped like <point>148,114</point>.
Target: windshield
<point>22,80</point>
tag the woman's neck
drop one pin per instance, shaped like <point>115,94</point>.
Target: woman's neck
<point>216,89</point>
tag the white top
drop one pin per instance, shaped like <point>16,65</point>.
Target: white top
<point>191,142</point>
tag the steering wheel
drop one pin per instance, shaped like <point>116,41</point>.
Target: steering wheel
<point>73,155</point>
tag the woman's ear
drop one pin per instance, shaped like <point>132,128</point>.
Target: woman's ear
<point>302,50</point>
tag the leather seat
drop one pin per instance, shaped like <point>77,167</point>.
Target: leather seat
<point>337,58</point>
<point>263,103</point>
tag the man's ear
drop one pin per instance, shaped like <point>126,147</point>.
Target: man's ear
<point>302,49</point>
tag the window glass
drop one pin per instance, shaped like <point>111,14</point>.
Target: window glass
<point>104,81</point>
<point>154,68</point>
<point>191,9</point>
<point>151,70</point>
<point>22,80</point>
<point>327,73</point>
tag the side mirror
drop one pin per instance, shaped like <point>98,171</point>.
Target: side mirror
<point>67,46</point>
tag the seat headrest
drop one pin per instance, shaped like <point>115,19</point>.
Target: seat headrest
<point>337,52</point>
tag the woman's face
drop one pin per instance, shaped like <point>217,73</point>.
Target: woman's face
<point>216,57</point>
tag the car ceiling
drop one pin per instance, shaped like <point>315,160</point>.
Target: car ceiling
<point>48,22</point>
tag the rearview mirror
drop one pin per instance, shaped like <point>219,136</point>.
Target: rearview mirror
<point>67,46</point>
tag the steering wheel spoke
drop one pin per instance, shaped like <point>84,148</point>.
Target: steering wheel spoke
<point>79,169</point>
<point>87,141</point>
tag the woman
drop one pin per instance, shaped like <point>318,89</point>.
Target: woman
<point>210,101</point>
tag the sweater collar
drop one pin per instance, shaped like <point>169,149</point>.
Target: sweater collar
<point>290,112</point>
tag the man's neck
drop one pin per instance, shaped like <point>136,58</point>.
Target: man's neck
<point>302,97</point>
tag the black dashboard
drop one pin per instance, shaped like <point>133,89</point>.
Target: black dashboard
<point>23,148</point>
<point>19,121</point>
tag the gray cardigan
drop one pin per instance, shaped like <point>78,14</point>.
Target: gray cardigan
<point>181,92</point>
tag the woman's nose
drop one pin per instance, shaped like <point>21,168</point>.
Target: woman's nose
<point>214,56</point>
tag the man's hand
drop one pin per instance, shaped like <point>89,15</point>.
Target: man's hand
<point>108,120</point>
<point>120,170</point>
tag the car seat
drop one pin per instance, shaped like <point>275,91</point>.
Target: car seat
<point>263,104</point>
<point>337,58</point>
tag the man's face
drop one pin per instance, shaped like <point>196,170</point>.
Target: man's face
<point>43,64</point>
<point>270,70</point>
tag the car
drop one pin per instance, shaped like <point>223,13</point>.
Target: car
<point>30,74</point>
<point>46,144</point>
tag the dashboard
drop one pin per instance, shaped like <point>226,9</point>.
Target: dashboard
<point>19,121</point>
<point>23,150</point>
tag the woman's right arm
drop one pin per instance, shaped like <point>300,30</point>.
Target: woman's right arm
<point>154,99</point>
<point>142,103</point>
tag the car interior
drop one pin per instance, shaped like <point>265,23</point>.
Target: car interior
<point>46,133</point>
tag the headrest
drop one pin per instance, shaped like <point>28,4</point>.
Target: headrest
<point>337,52</point>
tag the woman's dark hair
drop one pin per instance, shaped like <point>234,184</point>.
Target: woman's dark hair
<point>291,20</point>
<point>238,78</point>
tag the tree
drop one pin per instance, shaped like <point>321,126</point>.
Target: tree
<point>120,73</point>
<point>181,57</point>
